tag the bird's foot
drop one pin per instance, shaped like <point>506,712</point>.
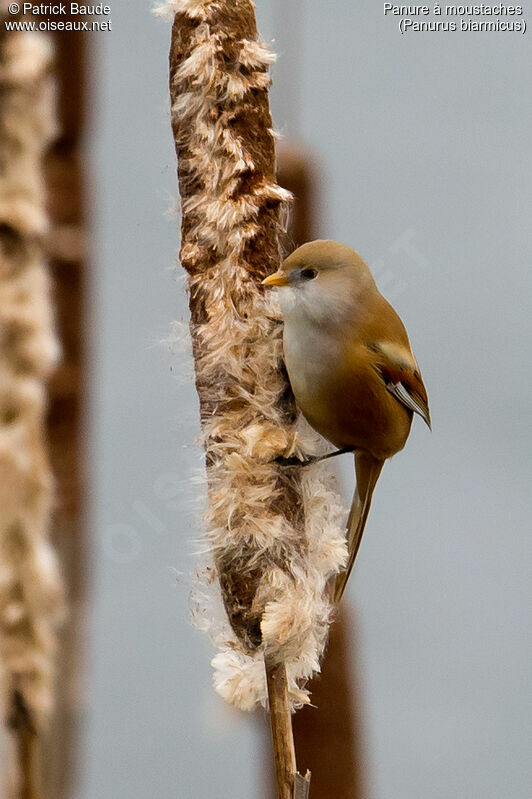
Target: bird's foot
<point>293,461</point>
<point>336,452</point>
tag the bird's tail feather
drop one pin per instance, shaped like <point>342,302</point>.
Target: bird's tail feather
<point>367,470</point>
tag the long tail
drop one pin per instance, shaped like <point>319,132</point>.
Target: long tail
<point>367,470</point>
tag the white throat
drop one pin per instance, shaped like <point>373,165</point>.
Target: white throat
<point>308,302</point>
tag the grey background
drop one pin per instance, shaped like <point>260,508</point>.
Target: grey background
<point>423,146</point>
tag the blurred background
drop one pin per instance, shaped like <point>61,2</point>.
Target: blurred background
<point>415,150</point>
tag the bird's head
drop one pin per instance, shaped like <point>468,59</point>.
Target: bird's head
<point>322,280</point>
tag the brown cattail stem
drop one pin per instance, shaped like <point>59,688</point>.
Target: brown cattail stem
<point>290,784</point>
<point>27,749</point>
<point>274,533</point>
<point>31,597</point>
<point>281,724</point>
<point>65,246</point>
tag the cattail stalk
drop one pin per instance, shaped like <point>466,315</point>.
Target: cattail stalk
<point>275,534</point>
<point>30,586</point>
<point>290,784</point>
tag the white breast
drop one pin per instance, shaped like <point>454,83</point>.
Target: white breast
<point>310,354</point>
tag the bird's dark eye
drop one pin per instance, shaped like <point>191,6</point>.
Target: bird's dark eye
<point>309,274</point>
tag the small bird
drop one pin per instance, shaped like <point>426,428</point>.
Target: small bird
<point>350,366</point>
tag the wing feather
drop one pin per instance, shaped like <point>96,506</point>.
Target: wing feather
<point>417,404</point>
<point>400,373</point>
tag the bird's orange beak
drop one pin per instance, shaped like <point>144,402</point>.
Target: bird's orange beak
<point>277,279</point>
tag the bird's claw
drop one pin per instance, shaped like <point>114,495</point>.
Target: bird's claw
<point>293,461</point>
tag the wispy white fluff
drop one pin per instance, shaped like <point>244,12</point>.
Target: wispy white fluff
<point>238,353</point>
<point>196,9</point>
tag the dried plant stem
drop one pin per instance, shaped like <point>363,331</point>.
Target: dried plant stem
<point>288,780</point>
<point>274,533</point>
<point>27,749</point>
<point>30,586</point>
<point>281,724</point>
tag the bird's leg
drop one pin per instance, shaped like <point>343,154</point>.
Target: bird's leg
<point>293,461</point>
<point>342,451</point>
